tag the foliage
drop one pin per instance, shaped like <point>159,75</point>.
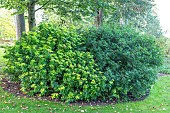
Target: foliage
<point>75,9</point>
<point>152,26</point>
<point>2,61</point>
<point>1,56</point>
<point>7,29</point>
<point>46,62</point>
<point>126,56</point>
<point>165,69</point>
<point>164,43</point>
<point>97,63</point>
<point>138,13</point>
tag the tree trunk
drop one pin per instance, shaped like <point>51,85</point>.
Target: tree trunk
<point>20,25</point>
<point>99,18</point>
<point>31,14</point>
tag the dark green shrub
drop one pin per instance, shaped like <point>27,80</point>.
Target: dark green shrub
<point>130,58</point>
<point>46,61</point>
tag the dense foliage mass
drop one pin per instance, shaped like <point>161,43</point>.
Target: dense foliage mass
<point>126,56</point>
<point>46,62</point>
<point>103,63</point>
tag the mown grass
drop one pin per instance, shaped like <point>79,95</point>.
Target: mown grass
<point>157,102</point>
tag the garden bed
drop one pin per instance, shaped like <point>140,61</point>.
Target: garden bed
<point>14,88</point>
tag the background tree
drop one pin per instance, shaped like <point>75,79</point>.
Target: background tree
<point>20,25</point>
<point>74,9</point>
<point>137,13</point>
<point>7,29</point>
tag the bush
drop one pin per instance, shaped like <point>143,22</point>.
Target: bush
<point>130,58</point>
<point>104,63</point>
<point>46,61</point>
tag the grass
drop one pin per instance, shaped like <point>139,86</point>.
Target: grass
<point>157,102</point>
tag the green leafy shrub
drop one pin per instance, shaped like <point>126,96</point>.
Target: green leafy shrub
<point>104,63</point>
<point>46,61</point>
<point>126,56</point>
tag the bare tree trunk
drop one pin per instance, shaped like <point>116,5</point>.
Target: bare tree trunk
<point>20,25</point>
<point>99,18</point>
<point>31,14</point>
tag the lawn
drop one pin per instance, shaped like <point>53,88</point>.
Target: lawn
<point>157,102</point>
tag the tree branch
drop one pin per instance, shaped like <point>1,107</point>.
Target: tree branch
<point>42,6</point>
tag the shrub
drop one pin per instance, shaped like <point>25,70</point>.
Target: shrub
<point>104,63</point>
<point>126,56</point>
<point>46,61</point>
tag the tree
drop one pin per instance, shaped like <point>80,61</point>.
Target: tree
<point>153,26</point>
<point>72,8</point>
<point>20,25</point>
<point>127,10</point>
<point>7,29</point>
<point>22,6</point>
<point>132,12</point>
<point>137,13</point>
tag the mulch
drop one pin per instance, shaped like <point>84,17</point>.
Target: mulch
<point>14,88</point>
